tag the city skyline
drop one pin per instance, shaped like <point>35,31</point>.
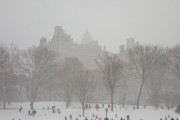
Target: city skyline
<point>109,22</point>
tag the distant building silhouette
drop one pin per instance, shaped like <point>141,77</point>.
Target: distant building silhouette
<point>86,52</point>
<point>130,42</point>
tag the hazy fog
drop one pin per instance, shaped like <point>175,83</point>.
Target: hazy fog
<point>109,21</point>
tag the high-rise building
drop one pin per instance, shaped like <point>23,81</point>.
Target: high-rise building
<point>130,42</point>
<point>122,49</point>
<point>86,52</point>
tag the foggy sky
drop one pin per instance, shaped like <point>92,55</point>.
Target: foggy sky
<point>110,22</point>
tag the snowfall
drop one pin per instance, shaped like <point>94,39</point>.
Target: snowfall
<point>148,113</point>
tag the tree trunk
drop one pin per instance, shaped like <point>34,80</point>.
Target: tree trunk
<point>124,101</point>
<point>50,94</point>
<point>68,103</point>
<point>83,108</point>
<point>139,95</point>
<point>112,98</point>
<point>68,98</point>
<point>4,95</point>
<point>32,104</point>
<point>4,104</point>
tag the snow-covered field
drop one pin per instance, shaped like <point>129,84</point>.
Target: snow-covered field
<point>146,114</point>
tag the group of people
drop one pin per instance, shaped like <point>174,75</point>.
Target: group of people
<point>54,109</point>
<point>95,117</point>
<point>169,118</point>
<point>32,112</point>
<point>70,117</point>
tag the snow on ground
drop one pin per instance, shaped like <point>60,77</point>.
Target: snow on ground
<point>146,114</point>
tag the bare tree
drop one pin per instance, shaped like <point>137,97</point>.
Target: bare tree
<point>173,58</point>
<point>122,91</point>
<point>34,64</point>
<point>84,87</point>
<point>69,72</point>
<point>142,59</point>
<point>111,67</point>
<point>8,59</point>
<point>155,79</point>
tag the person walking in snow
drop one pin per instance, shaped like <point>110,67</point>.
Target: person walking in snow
<point>29,112</point>
<point>65,118</point>
<point>33,112</point>
<point>165,118</point>
<point>128,117</point>
<point>70,117</point>
<point>20,109</point>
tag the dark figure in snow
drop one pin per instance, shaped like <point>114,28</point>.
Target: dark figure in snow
<point>34,112</point>
<point>65,118</point>
<point>58,111</point>
<point>97,106</point>
<point>144,106</point>
<point>20,109</point>
<point>53,111</point>
<point>128,117</point>
<point>86,118</point>
<point>89,106</point>
<point>165,118</point>
<point>160,118</point>
<point>102,105</point>
<point>70,117</point>
<point>177,119</point>
<point>86,106</point>
<point>121,118</point>
<point>29,112</point>
<point>172,118</point>
<point>116,115</point>
<point>109,106</point>
<point>76,118</point>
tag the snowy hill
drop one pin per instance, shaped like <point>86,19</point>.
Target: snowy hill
<point>148,113</point>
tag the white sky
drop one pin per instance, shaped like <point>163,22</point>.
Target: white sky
<point>110,22</point>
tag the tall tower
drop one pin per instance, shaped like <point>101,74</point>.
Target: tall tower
<point>61,41</point>
<point>122,49</point>
<point>130,42</point>
<point>43,41</point>
<point>86,38</point>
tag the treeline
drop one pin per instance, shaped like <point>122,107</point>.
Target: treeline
<point>38,73</point>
